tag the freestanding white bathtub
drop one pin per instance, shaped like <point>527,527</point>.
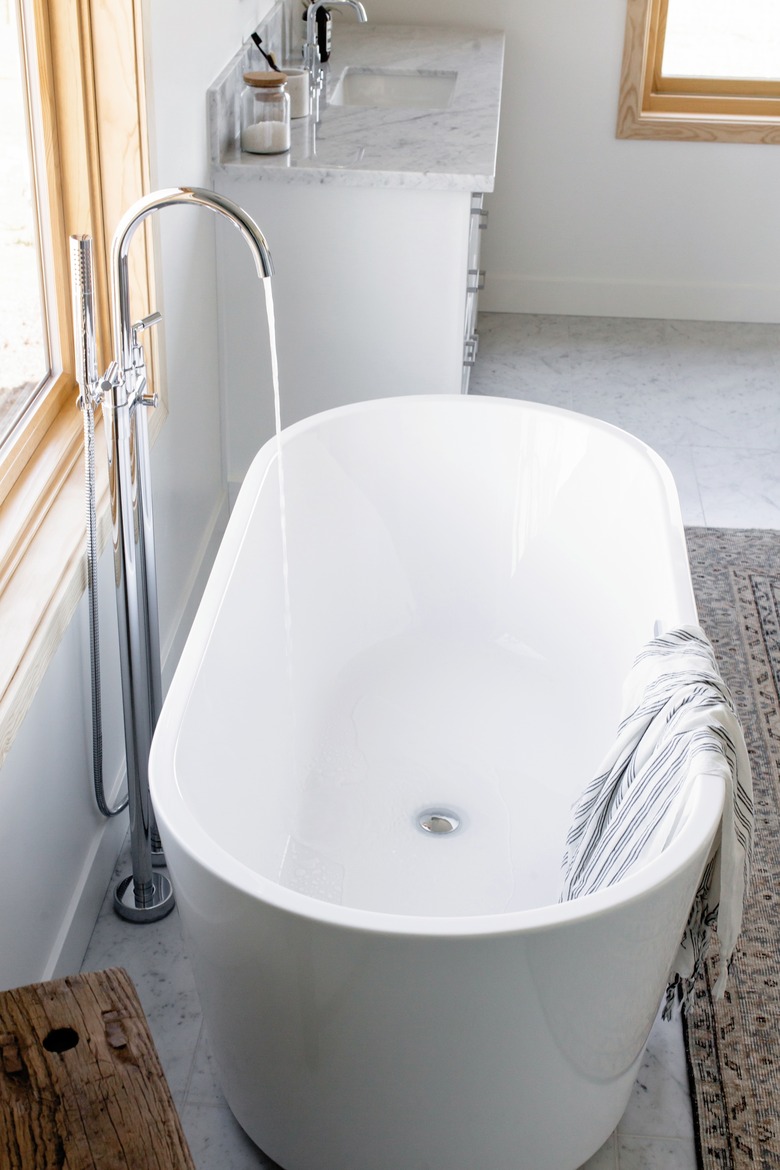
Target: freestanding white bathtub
<point>433,626</point>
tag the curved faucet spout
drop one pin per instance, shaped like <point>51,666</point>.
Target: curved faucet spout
<point>311,52</point>
<point>120,246</point>
<point>311,14</point>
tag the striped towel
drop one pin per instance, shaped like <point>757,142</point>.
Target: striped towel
<point>679,723</point>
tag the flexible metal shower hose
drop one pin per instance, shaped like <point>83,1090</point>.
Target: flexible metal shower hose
<point>94,626</point>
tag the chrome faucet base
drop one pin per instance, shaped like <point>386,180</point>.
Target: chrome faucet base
<point>150,905</point>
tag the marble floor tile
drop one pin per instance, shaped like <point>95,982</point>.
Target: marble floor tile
<point>209,1126</point>
<point>681,463</point>
<point>153,956</point>
<point>660,1104</point>
<point>638,1153</point>
<point>732,409</point>
<point>605,1158</point>
<point>217,1141</point>
<point>703,394</point>
<point>740,488</point>
<point>660,411</point>
<point>703,347</point>
<point>541,375</point>
<point>532,383</point>
<point>203,1087</point>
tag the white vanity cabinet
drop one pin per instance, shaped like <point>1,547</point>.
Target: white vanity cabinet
<point>374,220</point>
<point>373,296</point>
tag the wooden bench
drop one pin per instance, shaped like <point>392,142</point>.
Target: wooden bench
<point>81,1085</point>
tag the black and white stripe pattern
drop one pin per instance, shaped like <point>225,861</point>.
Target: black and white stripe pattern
<point>679,723</point>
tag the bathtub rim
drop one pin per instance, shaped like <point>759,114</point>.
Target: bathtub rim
<point>704,800</point>
<point>705,804</point>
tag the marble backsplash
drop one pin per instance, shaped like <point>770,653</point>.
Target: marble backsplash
<point>280,37</point>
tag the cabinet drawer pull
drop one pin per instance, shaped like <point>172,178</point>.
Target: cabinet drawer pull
<point>482,212</point>
<point>478,284</point>
<point>470,348</point>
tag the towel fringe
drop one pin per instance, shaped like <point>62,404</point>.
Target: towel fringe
<point>679,722</point>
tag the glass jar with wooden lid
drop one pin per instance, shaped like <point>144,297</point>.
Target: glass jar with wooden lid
<point>265,114</point>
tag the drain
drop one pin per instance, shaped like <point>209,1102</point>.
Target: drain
<point>437,821</point>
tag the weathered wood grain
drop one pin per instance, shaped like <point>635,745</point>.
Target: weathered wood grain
<point>81,1085</point>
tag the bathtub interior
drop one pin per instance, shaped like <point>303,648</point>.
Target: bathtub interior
<point>420,605</point>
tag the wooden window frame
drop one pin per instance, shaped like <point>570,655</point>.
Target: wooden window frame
<point>86,80</point>
<point>686,109</point>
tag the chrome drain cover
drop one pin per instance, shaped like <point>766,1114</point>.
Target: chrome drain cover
<point>438,821</point>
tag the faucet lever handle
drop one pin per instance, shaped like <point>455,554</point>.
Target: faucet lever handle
<point>110,380</point>
<point>139,361</point>
<point>145,323</point>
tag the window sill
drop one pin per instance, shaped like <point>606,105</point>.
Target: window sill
<point>633,123</point>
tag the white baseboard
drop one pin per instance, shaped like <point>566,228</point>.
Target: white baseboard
<point>71,943</point>
<point>234,487</point>
<point>67,953</point>
<point>605,298</point>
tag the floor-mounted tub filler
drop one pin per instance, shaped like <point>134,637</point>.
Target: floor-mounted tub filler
<point>406,665</point>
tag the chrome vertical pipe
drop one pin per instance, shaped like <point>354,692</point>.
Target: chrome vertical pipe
<point>146,895</point>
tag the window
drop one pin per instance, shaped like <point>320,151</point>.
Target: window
<point>701,70</point>
<point>81,65</point>
<point>24,357</point>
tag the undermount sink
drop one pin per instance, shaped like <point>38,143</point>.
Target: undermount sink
<point>415,89</point>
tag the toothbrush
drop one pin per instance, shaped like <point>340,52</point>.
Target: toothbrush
<point>268,56</point>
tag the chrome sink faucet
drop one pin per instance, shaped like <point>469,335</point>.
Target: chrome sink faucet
<point>145,896</point>
<point>311,50</point>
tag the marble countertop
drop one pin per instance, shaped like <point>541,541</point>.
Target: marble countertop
<point>447,149</point>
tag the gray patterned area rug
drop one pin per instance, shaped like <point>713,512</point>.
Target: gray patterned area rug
<point>733,1045</point>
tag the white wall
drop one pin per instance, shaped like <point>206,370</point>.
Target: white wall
<point>57,851</point>
<point>583,223</point>
<point>188,42</point>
